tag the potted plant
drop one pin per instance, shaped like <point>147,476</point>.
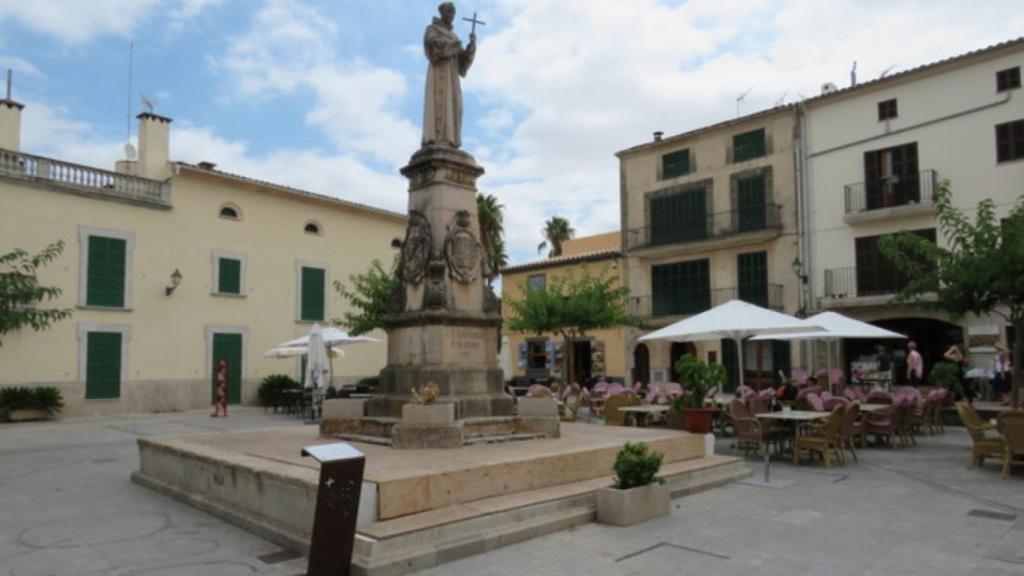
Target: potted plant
<point>947,375</point>
<point>696,378</point>
<point>638,494</point>
<point>24,404</point>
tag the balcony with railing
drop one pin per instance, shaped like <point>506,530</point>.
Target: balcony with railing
<point>84,180</point>
<point>755,220</point>
<point>696,301</point>
<point>853,286</point>
<point>891,196</point>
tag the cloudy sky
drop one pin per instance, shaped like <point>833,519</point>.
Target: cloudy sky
<point>326,95</point>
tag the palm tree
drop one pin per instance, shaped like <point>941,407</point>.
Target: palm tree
<point>556,231</point>
<point>492,232</point>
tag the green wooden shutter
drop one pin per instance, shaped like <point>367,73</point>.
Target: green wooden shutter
<point>751,203</point>
<point>748,145</point>
<point>103,365</point>
<point>752,273</point>
<point>228,347</point>
<point>106,274</point>
<point>780,359</point>
<point>229,276</point>
<point>681,288</point>
<point>731,363</point>
<point>675,164</point>
<point>312,294</point>
<point>679,217</point>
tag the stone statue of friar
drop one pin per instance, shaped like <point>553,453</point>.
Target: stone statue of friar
<point>442,109</point>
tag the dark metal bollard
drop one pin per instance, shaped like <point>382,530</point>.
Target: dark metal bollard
<point>337,508</point>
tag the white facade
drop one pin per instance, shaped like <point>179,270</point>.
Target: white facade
<point>947,111</point>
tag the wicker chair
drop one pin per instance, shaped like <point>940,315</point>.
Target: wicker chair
<point>1011,426</point>
<point>886,423</point>
<point>852,431</point>
<point>612,415</point>
<point>751,432</point>
<point>823,439</point>
<point>984,446</point>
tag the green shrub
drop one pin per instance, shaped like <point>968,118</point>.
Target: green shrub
<point>946,375</point>
<point>17,398</point>
<point>272,384</point>
<point>45,398</point>
<point>370,382</point>
<point>635,465</point>
<point>696,378</point>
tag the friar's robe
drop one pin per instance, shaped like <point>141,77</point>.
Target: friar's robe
<point>442,106</point>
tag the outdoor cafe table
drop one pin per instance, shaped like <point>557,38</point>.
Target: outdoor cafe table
<point>796,417</point>
<point>720,400</point>
<point>647,410</point>
<point>873,407</point>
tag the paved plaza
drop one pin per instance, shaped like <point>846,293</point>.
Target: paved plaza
<point>67,507</point>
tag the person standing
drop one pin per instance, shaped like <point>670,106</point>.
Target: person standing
<point>220,405</point>
<point>1002,373</point>
<point>956,356</point>
<point>915,365</point>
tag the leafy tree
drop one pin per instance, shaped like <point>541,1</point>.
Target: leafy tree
<point>556,231</point>
<point>21,295</point>
<point>981,271</point>
<point>492,233</point>
<point>570,306</point>
<point>368,295</point>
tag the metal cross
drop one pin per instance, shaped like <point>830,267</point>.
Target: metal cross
<point>475,22</point>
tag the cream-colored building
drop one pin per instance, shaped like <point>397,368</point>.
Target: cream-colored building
<point>540,357</point>
<point>874,154</point>
<point>709,216</point>
<point>256,263</point>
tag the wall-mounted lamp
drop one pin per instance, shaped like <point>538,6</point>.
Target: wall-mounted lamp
<point>396,243</point>
<point>175,280</point>
<point>798,269</point>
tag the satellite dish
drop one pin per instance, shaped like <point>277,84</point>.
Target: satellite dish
<point>129,151</point>
<point>828,88</point>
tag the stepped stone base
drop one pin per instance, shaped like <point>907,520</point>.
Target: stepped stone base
<point>419,508</point>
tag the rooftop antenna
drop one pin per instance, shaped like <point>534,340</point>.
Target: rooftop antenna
<point>853,74</point>
<point>782,99</point>
<point>128,118</point>
<point>886,71</point>
<point>10,75</point>
<point>147,103</point>
<point>740,99</point>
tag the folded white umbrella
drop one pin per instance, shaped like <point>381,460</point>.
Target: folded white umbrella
<point>736,320</point>
<point>316,363</point>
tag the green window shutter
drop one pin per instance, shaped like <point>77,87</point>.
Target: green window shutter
<point>751,209</point>
<point>312,294</point>
<point>675,164</point>
<point>752,270</point>
<point>228,347</point>
<point>748,145</point>
<point>105,276</point>
<point>731,362</point>
<point>103,365</point>
<point>681,288</point>
<point>678,217</point>
<point>229,276</point>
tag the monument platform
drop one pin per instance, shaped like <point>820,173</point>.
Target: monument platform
<point>418,508</point>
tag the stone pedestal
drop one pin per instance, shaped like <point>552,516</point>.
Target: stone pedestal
<point>443,321</point>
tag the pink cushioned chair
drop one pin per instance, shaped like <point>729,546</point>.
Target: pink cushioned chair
<point>815,402</point>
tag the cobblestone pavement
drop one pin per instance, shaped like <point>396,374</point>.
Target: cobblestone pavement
<point>67,507</point>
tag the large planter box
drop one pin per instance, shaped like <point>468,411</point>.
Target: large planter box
<point>527,407</point>
<point>628,507</point>
<point>27,415</point>
<point>698,420</point>
<point>428,414</point>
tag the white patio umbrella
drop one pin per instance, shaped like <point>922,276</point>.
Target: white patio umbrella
<point>736,320</point>
<point>837,327</point>
<point>295,351</point>
<point>331,337</point>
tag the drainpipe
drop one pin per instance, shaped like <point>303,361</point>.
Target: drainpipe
<point>805,231</point>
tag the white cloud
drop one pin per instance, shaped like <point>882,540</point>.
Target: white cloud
<point>19,65</point>
<point>590,77</point>
<point>48,131</point>
<point>290,47</point>
<point>81,21</point>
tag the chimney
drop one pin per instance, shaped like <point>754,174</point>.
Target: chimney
<point>10,120</point>
<point>154,146</point>
<point>658,135</point>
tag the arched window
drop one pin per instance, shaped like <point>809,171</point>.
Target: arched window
<point>312,227</point>
<point>230,212</point>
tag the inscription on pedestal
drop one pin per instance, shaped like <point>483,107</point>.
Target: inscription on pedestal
<point>468,346</point>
